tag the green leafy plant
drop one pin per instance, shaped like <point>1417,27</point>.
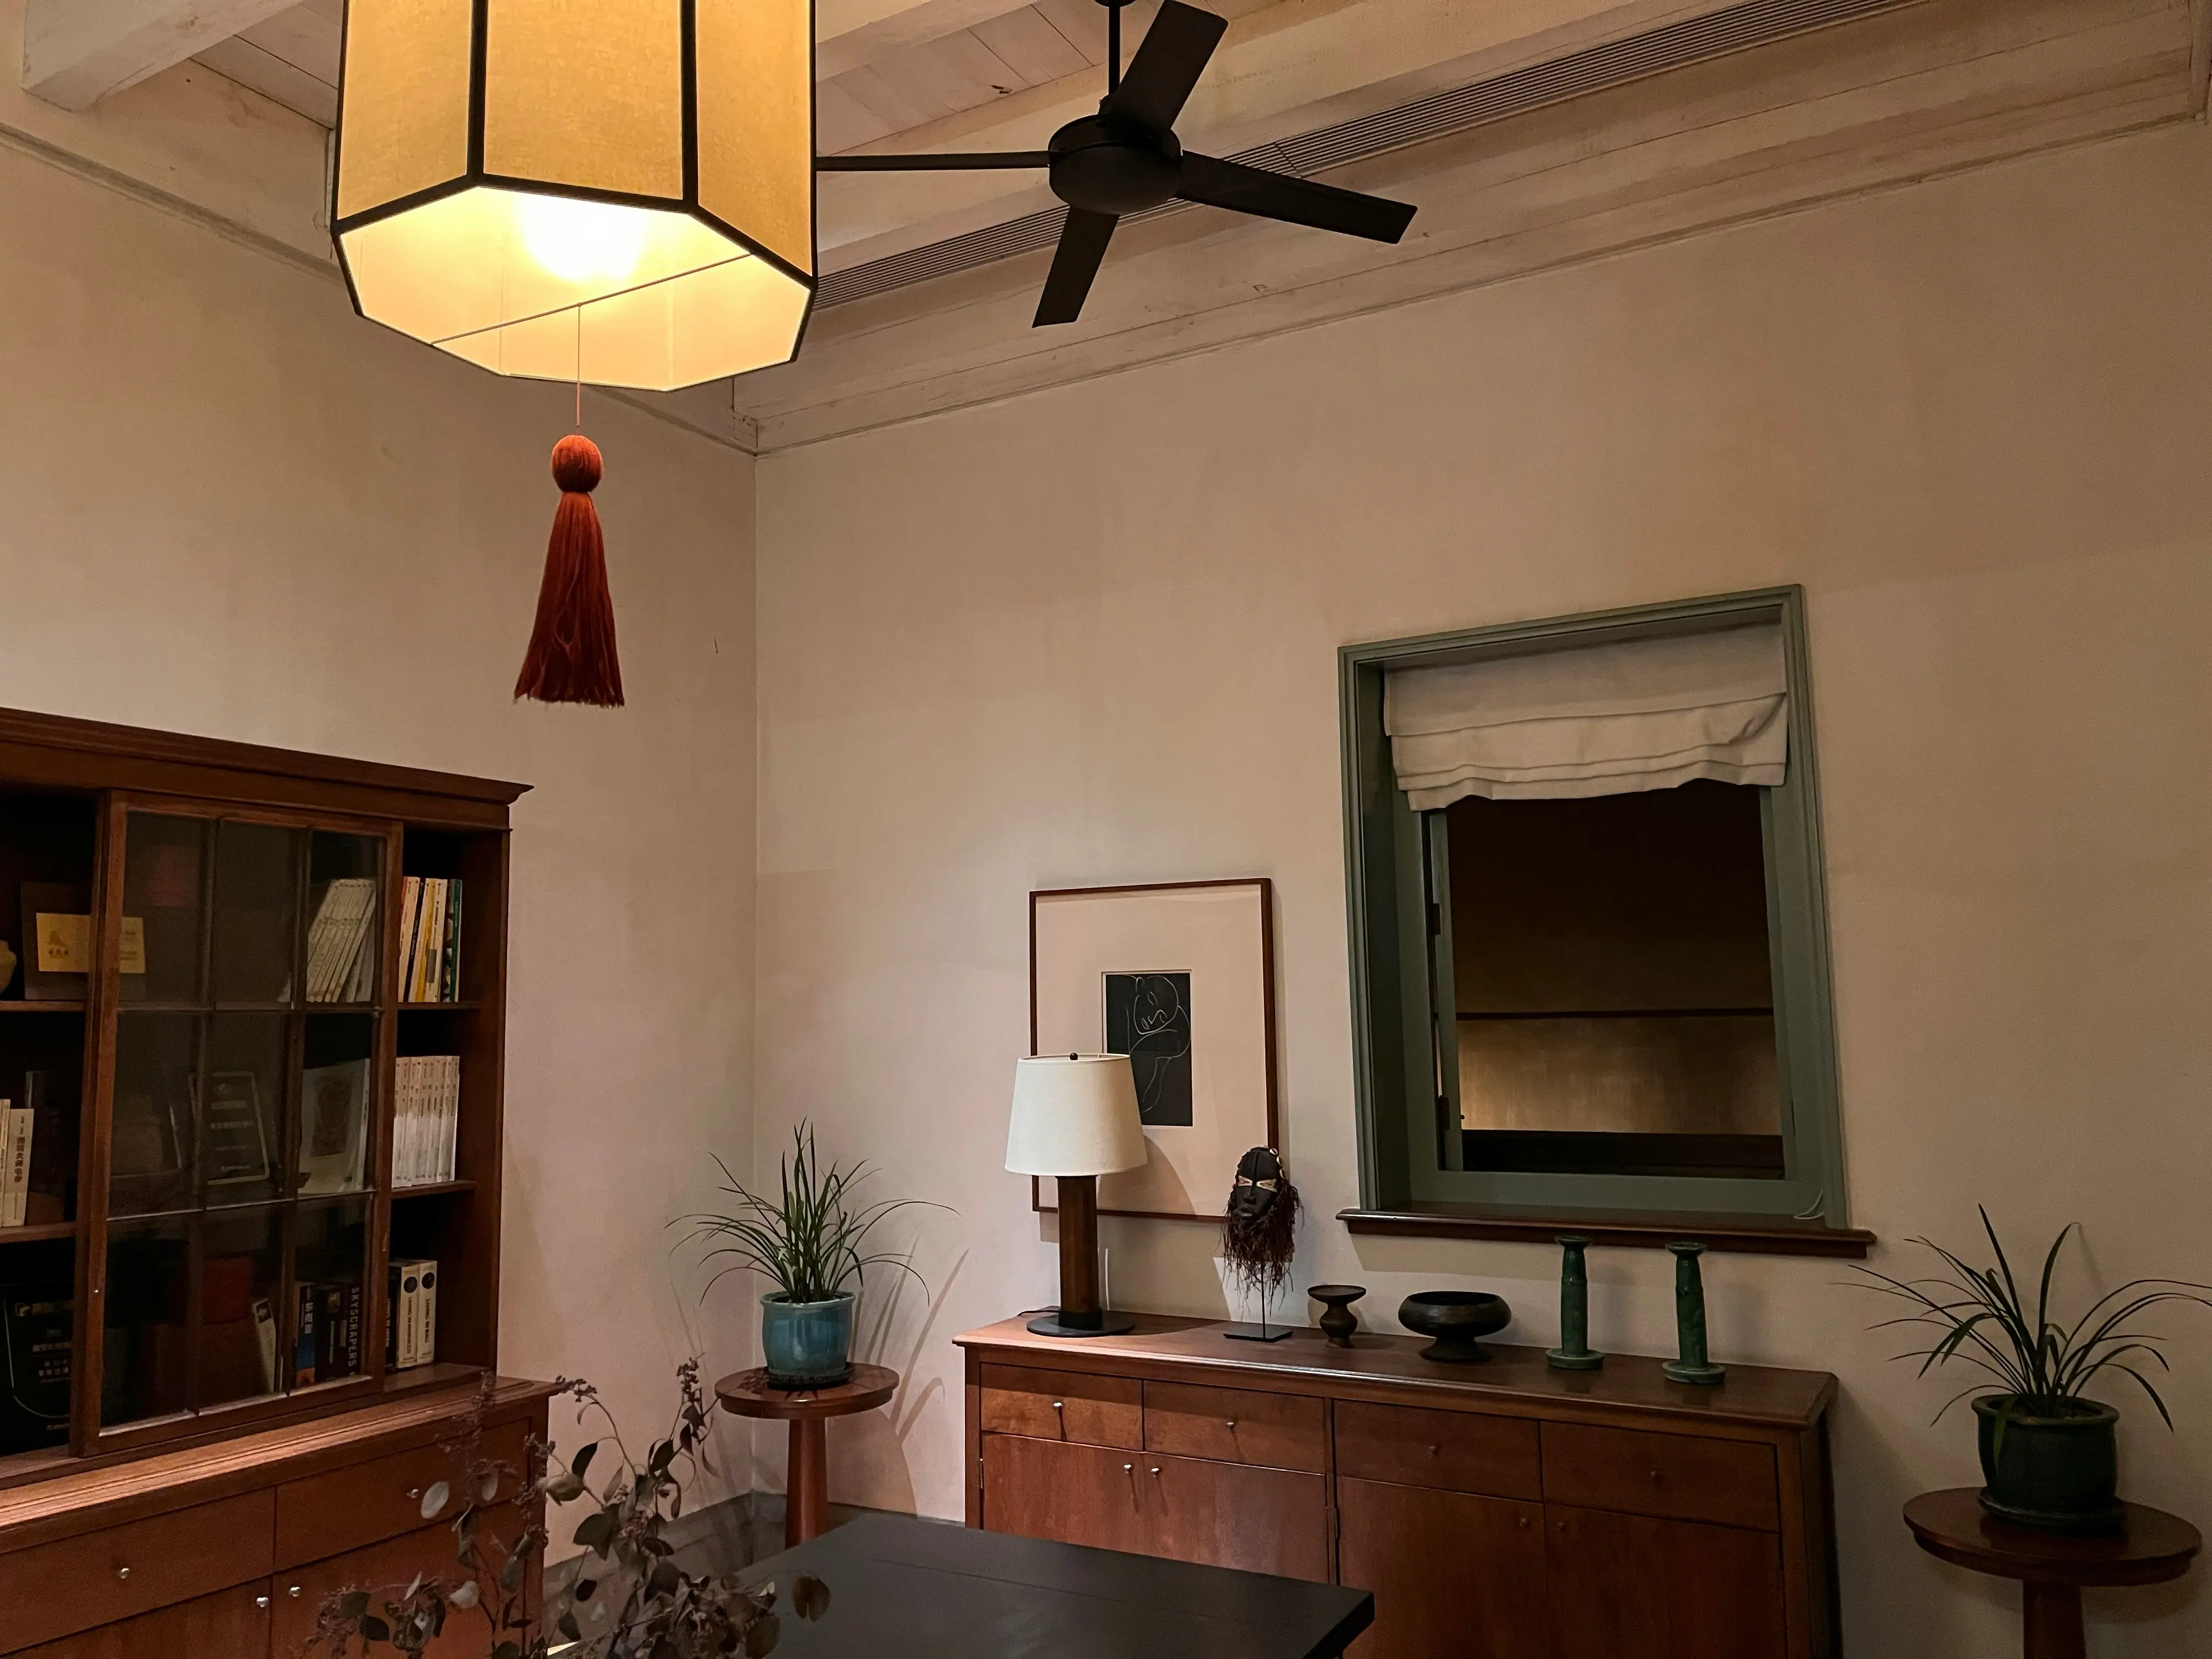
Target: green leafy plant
<point>629,1600</point>
<point>809,1240</point>
<point>2043,1365</point>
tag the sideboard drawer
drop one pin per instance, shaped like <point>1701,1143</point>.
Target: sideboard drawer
<point>1050,1405</point>
<point>1236,1425</point>
<point>52,1590</point>
<point>1678,1476</point>
<point>1457,1452</point>
<point>329,1514</point>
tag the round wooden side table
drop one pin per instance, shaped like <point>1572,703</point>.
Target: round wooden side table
<point>806,1498</point>
<point>2053,1567</point>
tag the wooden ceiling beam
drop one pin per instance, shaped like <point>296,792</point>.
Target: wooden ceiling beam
<point>78,51</point>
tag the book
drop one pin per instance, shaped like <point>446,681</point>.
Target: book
<point>15,1126</point>
<point>237,1138</point>
<point>334,1119</point>
<point>450,975</point>
<point>303,1342</point>
<point>264,1331</point>
<point>426,1119</point>
<point>36,1323</point>
<point>410,915</point>
<point>401,1310</point>
<point>426,1314</point>
<point>51,1095</point>
<point>337,937</point>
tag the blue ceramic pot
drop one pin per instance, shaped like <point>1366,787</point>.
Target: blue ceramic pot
<point>806,1345</point>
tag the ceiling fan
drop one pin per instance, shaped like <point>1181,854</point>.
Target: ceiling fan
<point>1125,159</point>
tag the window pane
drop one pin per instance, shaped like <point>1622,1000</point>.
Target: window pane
<point>164,892</point>
<point>334,1088</point>
<point>344,875</point>
<point>333,1312</point>
<point>256,892</point>
<point>152,1146</point>
<point>146,1365</point>
<point>241,1280</point>
<point>1613,997</point>
<point>241,1133</point>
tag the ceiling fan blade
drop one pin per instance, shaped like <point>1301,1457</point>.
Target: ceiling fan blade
<point>938,162</point>
<point>1294,201</point>
<point>1083,241</point>
<point>1173,54</point>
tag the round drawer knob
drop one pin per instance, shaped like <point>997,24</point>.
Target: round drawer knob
<point>293,1592</point>
<point>415,1494</point>
<point>1232,1425</point>
<point>1059,1405</point>
<point>262,1602</point>
<point>123,1572</point>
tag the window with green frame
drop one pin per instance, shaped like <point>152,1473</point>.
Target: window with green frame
<point>1608,1006</point>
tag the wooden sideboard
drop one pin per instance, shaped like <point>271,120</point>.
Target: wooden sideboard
<point>1503,1510</point>
<point>227,1551</point>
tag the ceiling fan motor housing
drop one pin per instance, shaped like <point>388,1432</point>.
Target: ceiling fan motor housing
<point>1108,166</point>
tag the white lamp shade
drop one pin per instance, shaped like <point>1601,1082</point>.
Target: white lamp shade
<point>1074,1114</point>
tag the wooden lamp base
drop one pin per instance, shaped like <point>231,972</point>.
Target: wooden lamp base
<point>1078,1313</point>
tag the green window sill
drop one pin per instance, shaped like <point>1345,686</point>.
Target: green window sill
<point>1625,1229</point>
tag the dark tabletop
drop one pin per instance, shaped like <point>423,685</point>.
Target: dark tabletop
<point>930,1589</point>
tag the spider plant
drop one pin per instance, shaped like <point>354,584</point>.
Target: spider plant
<point>2043,1364</point>
<point>810,1238</point>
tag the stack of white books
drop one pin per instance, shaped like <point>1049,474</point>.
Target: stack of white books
<point>341,965</point>
<point>15,1163</point>
<point>426,1118</point>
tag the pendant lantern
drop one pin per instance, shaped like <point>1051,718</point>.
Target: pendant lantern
<point>620,192</point>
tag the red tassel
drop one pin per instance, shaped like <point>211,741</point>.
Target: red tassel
<point>572,648</point>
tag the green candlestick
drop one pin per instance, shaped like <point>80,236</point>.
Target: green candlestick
<point>1573,1353</point>
<point>1690,1319</point>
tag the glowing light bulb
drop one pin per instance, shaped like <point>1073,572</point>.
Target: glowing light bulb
<point>582,241</point>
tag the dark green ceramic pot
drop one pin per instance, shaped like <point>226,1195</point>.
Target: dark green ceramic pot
<point>2060,1471</point>
<point>807,1345</point>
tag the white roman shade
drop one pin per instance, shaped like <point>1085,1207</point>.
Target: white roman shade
<point>1605,719</point>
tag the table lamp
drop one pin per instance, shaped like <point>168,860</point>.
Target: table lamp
<point>1075,1119</point>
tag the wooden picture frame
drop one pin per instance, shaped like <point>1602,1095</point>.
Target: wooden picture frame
<point>1192,957</point>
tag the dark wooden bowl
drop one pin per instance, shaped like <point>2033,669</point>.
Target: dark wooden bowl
<point>1337,1323</point>
<point>1452,1320</point>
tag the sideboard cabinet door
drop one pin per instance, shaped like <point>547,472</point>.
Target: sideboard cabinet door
<point>233,1623</point>
<point>1077,1494</point>
<point>1632,1587</point>
<point>1229,1515</point>
<point>1452,1574</point>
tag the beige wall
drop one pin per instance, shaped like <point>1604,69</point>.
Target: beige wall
<point>229,506</point>
<point>1089,636</point>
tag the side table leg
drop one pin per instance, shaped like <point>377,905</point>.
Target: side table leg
<point>2051,1616</point>
<point>805,1503</point>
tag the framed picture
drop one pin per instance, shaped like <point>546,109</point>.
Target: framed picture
<point>1181,979</point>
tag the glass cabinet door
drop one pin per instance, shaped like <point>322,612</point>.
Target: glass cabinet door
<point>247,1020</point>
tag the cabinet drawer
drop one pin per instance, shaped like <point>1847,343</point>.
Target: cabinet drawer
<point>1457,1452</point>
<point>326,1515</point>
<point>1050,1405</point>
<point>1236,1425</point>
<point>52,1590</point>
<point>1678,1476</point>
<point>232,1624</point>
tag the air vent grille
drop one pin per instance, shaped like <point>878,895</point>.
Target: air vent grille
<point>1693,41</point>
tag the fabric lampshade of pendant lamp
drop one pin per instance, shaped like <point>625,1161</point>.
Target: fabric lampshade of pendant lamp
<point>618,191</point>
<point>1075,1119</point>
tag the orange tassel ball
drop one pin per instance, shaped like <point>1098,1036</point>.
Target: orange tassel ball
<point>572,648</point>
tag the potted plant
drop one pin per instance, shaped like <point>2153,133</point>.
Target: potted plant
<point>807,1241</point>
<point>2050,1456</point>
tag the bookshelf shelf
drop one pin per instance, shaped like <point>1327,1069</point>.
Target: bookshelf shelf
<point>223,1122</point>
<point>38,1233</point>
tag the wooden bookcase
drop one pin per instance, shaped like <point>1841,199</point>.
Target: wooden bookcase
<point>228,1125</point>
